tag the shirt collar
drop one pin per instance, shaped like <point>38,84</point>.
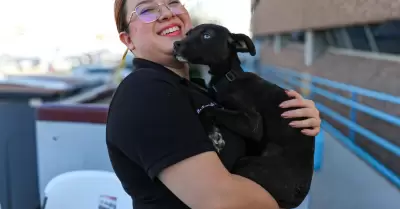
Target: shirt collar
<point>144,63</point>
<point>139,63</point>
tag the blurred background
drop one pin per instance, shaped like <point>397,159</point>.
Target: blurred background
<point>60,62</point>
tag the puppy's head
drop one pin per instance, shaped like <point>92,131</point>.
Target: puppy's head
<point>211,44</point>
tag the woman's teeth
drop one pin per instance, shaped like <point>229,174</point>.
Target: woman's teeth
<point>169,30</point>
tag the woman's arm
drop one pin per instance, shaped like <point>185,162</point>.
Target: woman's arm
<point>202,182</point>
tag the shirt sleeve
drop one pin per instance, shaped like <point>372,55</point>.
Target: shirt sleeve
<point>152,123</point>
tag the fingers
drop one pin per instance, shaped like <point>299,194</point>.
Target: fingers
<point>303,112</point>
<point>311,132</point>
<point>298,102</point>
<point>307,109</point>
<point>293,93</point>
<point>308,123</point>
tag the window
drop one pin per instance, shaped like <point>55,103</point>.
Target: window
<point>297,37</point>
<point>380,37</point>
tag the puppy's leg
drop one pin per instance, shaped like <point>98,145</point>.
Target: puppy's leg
<point>248,124</point>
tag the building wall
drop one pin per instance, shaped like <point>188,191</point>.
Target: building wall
<point>273,16</point>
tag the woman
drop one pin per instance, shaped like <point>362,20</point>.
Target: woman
<point>157,144</point>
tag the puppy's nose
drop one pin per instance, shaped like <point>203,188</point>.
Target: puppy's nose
<point>177,44</point>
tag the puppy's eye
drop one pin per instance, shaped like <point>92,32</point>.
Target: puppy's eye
<point>206,36</point>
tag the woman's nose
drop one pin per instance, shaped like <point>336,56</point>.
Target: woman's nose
<point>165,13</point>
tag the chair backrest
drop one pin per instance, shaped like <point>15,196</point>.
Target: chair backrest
<point>86,189</point>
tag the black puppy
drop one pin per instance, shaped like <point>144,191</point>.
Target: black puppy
<point>279,157</point>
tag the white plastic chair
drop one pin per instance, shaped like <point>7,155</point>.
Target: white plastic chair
<point>86,190</point>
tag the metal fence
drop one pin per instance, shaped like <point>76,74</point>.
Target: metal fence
<point>289,79</point>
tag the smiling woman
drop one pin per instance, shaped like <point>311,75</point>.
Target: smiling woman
<point>158,146</point>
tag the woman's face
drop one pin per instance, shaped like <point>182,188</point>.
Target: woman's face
<point>154,40</point>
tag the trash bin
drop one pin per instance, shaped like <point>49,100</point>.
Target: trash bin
<point>19,187</point>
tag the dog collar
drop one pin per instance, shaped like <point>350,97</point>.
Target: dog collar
<point>222,84</point>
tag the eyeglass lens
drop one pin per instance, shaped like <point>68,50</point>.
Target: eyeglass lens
<point>150,12</point>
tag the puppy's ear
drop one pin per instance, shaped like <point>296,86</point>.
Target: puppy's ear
<point>242,43</point>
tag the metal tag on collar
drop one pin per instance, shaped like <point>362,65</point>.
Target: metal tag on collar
<point>230,76</point>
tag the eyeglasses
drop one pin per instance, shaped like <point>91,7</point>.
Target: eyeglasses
<point>150,12</point>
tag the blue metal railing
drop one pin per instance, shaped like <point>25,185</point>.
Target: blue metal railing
<point>288,79</point>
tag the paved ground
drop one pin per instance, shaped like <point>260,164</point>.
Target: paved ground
<point>347,182</point>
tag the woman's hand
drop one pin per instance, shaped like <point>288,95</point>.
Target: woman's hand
<point>307,109</point>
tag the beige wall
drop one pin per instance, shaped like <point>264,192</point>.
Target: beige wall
<point>273,16</point>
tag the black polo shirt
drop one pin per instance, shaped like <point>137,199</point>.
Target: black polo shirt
<point>153,123</point>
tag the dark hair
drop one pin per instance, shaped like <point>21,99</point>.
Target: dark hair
<point>120,15</point>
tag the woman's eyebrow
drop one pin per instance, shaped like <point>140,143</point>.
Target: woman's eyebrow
<point>144,2</point>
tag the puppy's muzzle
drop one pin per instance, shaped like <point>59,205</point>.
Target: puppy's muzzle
<point>177,52</point>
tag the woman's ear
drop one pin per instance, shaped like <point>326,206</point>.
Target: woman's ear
<point>127,40</point>
<point>242,43</point>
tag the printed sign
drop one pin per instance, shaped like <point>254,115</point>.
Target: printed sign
<point>107,202</point>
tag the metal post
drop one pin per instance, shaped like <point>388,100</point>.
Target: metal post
<point>318,153</point>
<point>277,43</point>
<point>353,116</point>
<point>257,58</point>
<point>309,48</point>
<point>315,45</point>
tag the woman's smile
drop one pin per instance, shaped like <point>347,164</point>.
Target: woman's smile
<point>171,31</point>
